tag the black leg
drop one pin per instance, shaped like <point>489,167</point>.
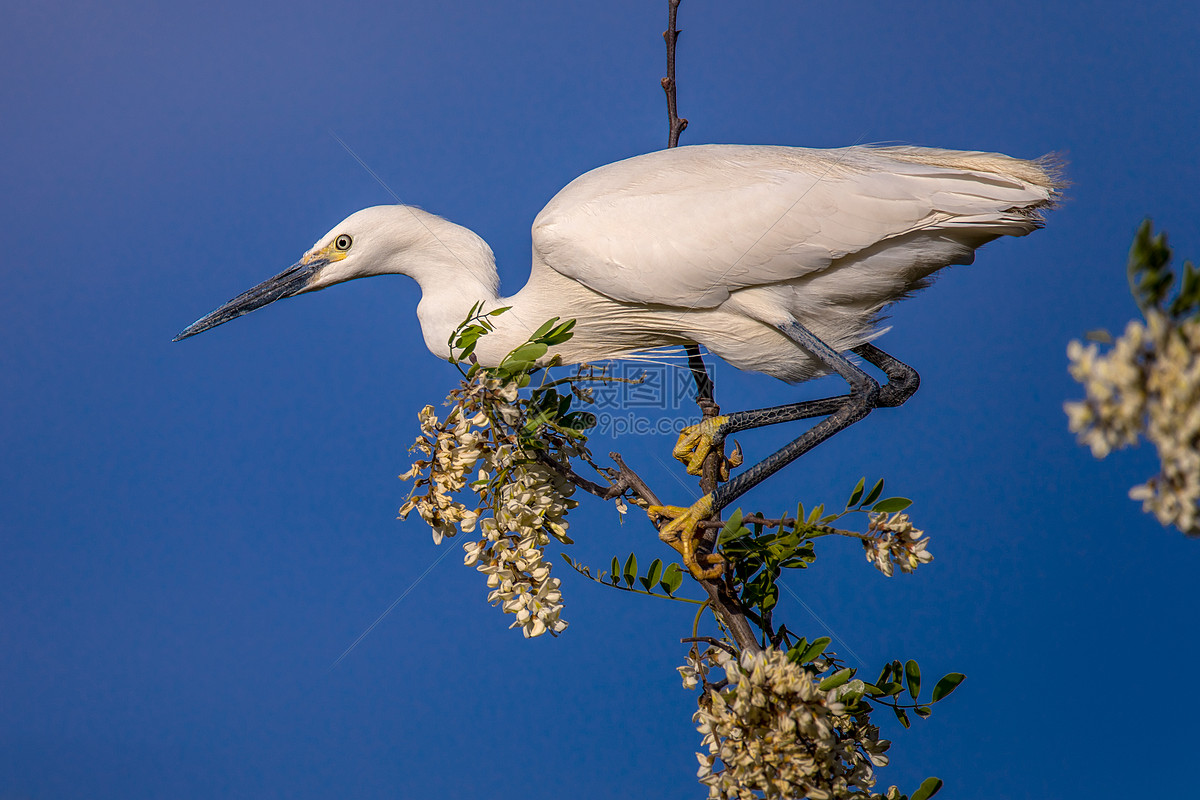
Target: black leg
<point>863,398</point>
<point>704,384</point>
<point>697,441</point>
<point>839,412</point>
<point>902,383</point>
<point>903,380</point>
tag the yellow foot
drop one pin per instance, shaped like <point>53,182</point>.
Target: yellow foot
<point>734,460</point>
<point>682,533</point>
<point>696,442</point>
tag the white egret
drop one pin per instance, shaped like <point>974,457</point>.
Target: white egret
<point>776,259</point>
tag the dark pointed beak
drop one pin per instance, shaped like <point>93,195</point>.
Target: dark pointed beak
<point>291,281</point>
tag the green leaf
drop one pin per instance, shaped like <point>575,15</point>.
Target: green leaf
<point>498,311</point>
<point>912,675</point>
<point>528,352</point>
<point>815,649</point>
<point>655,571</point>
<point>754,590</point>
<point>836,679</point>
<point>816,513</point>
<point>770,597</point>
<point>629,572</point>
<point>923,711</point>
<point>1189,293</point>
<point>873,495</point>
<point>900,715</point>
<point>884,675</point>
<point>1150,273</point>
<point>852,692</point>
<point>947,685</point>
<point>928,788</point>
<point>891,505</point>
<point>652,575</point>
<point>891,688</point>
<point>672,578</point>
<point>560,334</point>
<point>856,495</point>
<point>542,330</point>
<point>733,529</point>
<point>616,570</point>
<point>800,561</point>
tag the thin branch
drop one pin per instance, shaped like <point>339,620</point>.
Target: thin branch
<point>634,481</point>
<point>814,532</point>
<point>586,572</point>
<point>725,604</point>
<point>676,126</point>
<point>714,642</point>
<point>671,35</point>
<point>573,477</point>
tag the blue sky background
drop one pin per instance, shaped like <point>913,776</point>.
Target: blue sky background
<point>194,532</point>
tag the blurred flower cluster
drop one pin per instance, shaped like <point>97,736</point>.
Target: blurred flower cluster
<point>513,499</point>
<point>892,541</point>
<point>771,731</point>
<point>1148,383</point>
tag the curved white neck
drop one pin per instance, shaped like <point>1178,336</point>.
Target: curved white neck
<point>456,270</point>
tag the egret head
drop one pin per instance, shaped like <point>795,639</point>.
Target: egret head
<point>374,241</point>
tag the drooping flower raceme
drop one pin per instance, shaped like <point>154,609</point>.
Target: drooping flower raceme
<point>515,501</point>
<point>1147,382</point>
<point>771,732</point>
<point>893,541</point>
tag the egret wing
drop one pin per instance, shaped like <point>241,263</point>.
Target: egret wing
<point>685,227</point>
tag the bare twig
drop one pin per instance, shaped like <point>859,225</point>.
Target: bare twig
<point>634,481</point>
<point>586,572</point>
<point>671,35</point>
<point>603,492</point>
<point>814,532</point>
<point>675,126</point>
<point>714,642</point>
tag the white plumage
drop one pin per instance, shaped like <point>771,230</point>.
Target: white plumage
<point>718,245</point>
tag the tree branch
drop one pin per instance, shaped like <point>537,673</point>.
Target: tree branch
<point>603,492</point>
<point>671,35</point>
<point>725,604</point>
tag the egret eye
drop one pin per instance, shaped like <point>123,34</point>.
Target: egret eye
<point>342,242</point>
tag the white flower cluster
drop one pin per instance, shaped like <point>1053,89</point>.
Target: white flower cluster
<point>773,733</point>
<point>1149,381</point>
<point>518,505</point>
<point>895,543</point>
<point>695,670</point>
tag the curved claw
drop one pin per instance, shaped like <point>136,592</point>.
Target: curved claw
<point>697,441</point>
<point>682,534</point>
<point>734,460</point>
